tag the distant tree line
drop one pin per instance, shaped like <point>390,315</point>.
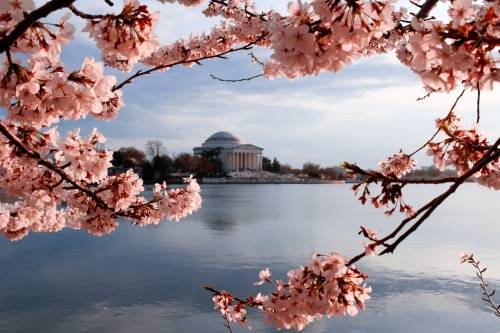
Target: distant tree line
<point>309,169</point>
<point>156,165</point>
<point>314,170</point>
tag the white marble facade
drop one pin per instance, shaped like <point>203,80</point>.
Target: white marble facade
<point>234,155</point>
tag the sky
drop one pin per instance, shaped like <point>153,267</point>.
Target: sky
<point>364,113</point>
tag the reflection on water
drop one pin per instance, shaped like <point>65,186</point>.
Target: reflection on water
<point>150,279</point>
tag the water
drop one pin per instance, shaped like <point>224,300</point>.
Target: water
<point>150,279</point>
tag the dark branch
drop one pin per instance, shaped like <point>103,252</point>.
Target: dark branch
<point>378,176</point>
<point>85,15</point>
<point>426,8</point>
<point>31,18</point>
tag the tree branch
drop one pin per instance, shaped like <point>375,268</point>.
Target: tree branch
<point>31,18</point>
<point>426,8</point>
<point>378,176</point>
<point>492,155</point>
<point>85,15</point>
<point>186,60</point>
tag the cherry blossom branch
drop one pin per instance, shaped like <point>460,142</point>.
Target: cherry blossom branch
<point>375,176</point>
<point>49,165</point>
<point>186,60</point>
<point>31,18</point>
<point>488,294</point>
<point>492,155</point>
<point>246,11</point>
<point>130,212</point>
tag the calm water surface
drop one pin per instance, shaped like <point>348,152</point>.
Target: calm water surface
<point>150,279</point>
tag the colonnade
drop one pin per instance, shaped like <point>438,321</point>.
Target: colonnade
<point>244,160</point>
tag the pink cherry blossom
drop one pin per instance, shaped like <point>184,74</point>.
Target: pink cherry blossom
<point>397,165</point>
<point>264,276</point>
<point>325,287</point>
<point>127,37</point>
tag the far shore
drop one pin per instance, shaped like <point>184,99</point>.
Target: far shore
<point>222,181</point>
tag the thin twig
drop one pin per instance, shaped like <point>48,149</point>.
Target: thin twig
<point>236,80</point>
<point>439,128</point>
<point>487,293</point>
<point>478,111</point>
<point>227,324</point>
<point>256,60</point>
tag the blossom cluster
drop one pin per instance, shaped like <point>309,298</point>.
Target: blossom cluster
<point>325,287</point>
<point>40,95</point>
<point>457,52</point>
<point>327,35</point>
<point>127,37</point>
<point>462,149</point>
<point>237,29</point>
<point>390,196</point>
<point>397,165</point>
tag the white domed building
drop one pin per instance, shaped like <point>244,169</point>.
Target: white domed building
<point>234,155</point>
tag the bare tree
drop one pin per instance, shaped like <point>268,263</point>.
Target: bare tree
<point>155,148</point>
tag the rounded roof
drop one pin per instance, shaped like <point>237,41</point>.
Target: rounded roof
<point>223,136</point>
